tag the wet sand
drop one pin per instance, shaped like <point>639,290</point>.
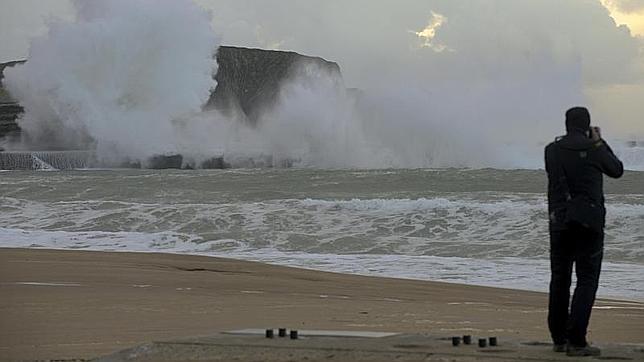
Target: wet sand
<point>77,304</point>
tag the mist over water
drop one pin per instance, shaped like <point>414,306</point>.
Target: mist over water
<point>128,79</point>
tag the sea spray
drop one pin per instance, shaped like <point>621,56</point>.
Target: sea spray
<point>315,122</point>
<point>406,123</point>
<point>467,107</point>
<point>117,78</point>
<point>128,79</point>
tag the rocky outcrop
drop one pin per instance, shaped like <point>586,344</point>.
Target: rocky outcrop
<point>8,64</point>
<point>9,109</point>
<point>45,160</point>
<point>248,81</point>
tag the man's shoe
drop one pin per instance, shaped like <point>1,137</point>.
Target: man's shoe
<point>559,347</point>
<point>587,350</point>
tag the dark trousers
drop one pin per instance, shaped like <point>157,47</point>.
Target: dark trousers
<point>583,248</point>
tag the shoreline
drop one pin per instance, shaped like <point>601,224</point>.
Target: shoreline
<point>300,260</point>
<point>81,304</point>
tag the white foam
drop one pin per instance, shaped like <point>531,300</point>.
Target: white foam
<point>478,226</point>
<point>476,237</point>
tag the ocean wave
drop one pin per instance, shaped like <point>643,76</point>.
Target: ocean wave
<point>485,226</point>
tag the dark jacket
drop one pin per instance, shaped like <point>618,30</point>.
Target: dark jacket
<point>575,165</point>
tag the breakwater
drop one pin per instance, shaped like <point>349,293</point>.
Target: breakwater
<point>46,160</point>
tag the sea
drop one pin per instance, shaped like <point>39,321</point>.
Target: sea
<point>471,226</point>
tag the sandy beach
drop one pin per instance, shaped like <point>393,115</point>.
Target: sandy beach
<point>78,304</point>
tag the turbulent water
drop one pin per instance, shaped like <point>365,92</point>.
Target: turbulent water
<point>483,227</point>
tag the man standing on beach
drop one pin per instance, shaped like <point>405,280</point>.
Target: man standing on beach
<point>575,164</point>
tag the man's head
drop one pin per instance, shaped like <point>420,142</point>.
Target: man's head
<point>577,118</point>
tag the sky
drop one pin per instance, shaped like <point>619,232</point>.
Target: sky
<point>426,41</point>
<point>627,12</point>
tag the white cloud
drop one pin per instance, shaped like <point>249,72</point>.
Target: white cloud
<point>371,39</point>
<point>560,48</point>
<point>627,6</point>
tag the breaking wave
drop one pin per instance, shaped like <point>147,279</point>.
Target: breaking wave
<point>447,227</point>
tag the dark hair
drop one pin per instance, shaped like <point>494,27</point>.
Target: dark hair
<point>577,118</point>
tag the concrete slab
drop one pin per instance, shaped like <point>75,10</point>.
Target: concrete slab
<point>318,333</point>
<point>399,347</point>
